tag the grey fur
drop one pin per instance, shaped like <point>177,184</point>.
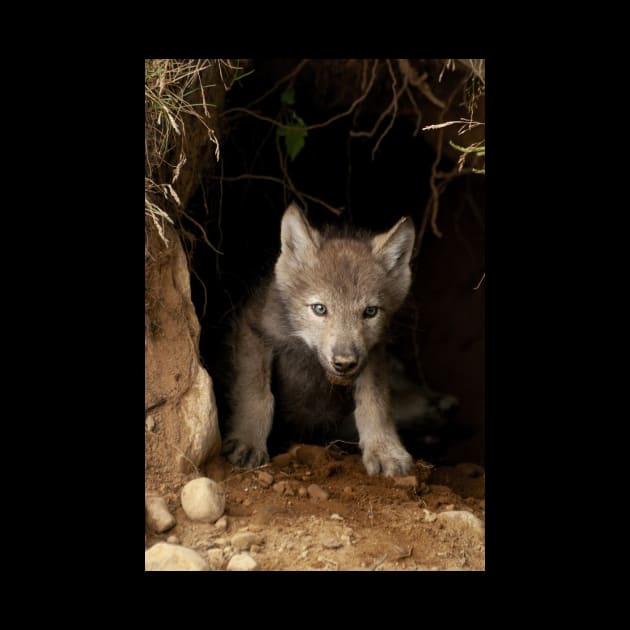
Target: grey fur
<point>287,357</point>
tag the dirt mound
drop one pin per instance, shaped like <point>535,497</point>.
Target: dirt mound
<point>313,509</point>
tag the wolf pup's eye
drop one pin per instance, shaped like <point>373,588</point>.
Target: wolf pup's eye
<point>319,309</point>
<point>370,311</point>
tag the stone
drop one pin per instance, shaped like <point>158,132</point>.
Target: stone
<point>187,431</point>
<point>244,540</point>
<point>406,482</point>
<point>172,540</point>
<point>317,492</point>
<point>158,518</point>
<point>222,524</point>
<point>302,491</point>
<point>283,487</point>
<point>215,559</point>
<point>242,562</point>
<point>311,455</point>
<point>203,500</point>
<point>166,557</point>
<point>255,548</point>
<point>463,519</point>
<point>429,517</point>
<point>332,543</point>
<point>265,479</point>
<point>283,459</point>
<point>336,517</point>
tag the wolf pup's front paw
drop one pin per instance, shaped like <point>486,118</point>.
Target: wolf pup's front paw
<point>244,455</point>
<point>388,458</point>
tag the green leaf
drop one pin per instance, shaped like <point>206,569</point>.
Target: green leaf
<point>294,138</point>
<point>288,96</point>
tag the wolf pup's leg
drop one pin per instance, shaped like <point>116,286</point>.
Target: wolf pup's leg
<point>382,449</point>
<point>252,400</point>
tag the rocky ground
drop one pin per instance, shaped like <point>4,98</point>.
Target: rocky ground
<point>317,509</point>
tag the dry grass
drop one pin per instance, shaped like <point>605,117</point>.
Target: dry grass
<point>176,93</point>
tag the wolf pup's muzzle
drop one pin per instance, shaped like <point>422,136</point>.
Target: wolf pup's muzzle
<point>345,369</point>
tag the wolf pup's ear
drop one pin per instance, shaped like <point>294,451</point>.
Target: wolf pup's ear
<point>394,248</point>
<point>299,241</point>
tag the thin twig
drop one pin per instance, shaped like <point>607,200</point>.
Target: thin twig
<point>278,83</point>
<point>410,96</point>
<point>435,192</point>
<point>419,81</point>
<point>205,236</point>
<point>272,121</point>
<point>277,180</point>
<point>394,104</point>
<point>480,281</point>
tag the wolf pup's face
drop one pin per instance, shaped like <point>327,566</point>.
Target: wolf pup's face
<point>341,292</point>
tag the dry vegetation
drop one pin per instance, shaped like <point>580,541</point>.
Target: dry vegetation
<point>182,97</point>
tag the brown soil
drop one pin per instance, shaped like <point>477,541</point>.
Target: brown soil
<point>365,523</point>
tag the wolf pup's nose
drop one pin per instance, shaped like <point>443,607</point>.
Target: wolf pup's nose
<point>344,364</point>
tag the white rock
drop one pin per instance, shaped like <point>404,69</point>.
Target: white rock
<point>222,524</point>
<point>203,500</point>
<point>215,559</point>
<point>158,518</point>
<point>173,540</point>
<point>242,562</point>
<point>199,412</point>
<point>244,540</point>
<point>165,557</point>
<point>462,519</point>
<point>189,416</point>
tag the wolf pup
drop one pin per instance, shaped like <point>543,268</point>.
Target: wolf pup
<point>309,345</point>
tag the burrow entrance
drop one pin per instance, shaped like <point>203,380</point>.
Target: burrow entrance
<point>439,336</point>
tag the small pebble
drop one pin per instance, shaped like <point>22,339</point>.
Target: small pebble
<point>255,548</point>
<point>244,540</point>
<point>283,487</point>
<point>265,479</point>
<point>203,500</point>
<point>158,518</point>
<point>463,519</point>
<point>172,540</point>
<point>165,557</point>
<point>222,524</point>
<point>302,491</point>
<point>317,492</point>
<point>220,542</point>
<point>347,490</point>
<point>429,517</point>
<point>242,562</point>
<point>282,460</point>
<point>406,482</point>
<point>215,559</point>
<point>336,517</point>
<point>450,507</point>
<point>332,543</point>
